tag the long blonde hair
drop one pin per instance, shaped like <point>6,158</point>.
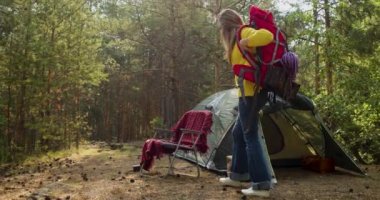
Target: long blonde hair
<point>229,21</point>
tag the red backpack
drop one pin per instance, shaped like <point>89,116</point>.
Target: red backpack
<point>277,66</point>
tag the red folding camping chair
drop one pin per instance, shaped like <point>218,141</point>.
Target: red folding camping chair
<point>188,134</point>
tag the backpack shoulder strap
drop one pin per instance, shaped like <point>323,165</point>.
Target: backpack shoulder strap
<point>247,55</point>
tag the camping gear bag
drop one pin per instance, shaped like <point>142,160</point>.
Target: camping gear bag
<point>280,79</point>
<point>273,65</point>
<point>318,164</point>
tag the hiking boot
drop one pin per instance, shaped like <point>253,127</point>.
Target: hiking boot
<point>229,182</point>
<point>251,192</point>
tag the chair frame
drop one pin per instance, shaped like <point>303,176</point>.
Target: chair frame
<point>195,136</point>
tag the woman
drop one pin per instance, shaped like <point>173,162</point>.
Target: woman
<point>248,159</point>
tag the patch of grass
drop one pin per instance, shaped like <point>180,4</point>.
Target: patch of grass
<point>49,156</point>
<point>129,150</point>
<point>125,151</point>
<point>85,149</point>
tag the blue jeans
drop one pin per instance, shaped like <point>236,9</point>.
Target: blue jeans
<point>248,159</point>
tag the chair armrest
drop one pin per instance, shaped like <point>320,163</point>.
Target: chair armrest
<point>184,131</point>
<point>195,135</point>
<point>162,133</point>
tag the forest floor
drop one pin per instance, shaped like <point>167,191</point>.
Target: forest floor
<point>99,171</point>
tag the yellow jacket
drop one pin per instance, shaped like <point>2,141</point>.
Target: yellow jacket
<point>256,38</point>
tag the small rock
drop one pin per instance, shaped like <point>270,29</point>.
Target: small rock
<point>84,177</point>
<point>32,198</point>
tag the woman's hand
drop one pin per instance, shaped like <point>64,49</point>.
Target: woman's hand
<point>244,45</point>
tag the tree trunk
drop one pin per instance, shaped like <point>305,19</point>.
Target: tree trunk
<point>329,63</point>
<point>317,75</point>
<point>21,104</point>
<point>8,133</point>
<point>173,79</point>
<point>77,108</point>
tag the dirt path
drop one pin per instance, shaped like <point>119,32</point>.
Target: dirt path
<point>101,173</point>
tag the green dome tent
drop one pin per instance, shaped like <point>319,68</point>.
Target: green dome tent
<point>291,131</point>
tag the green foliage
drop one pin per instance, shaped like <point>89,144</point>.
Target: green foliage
<point>157,122</point>
<point>356,124</point>
<point>351,111</point>
<point>49,68</point>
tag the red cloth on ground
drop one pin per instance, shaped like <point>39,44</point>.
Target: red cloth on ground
<point>152,148</point>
